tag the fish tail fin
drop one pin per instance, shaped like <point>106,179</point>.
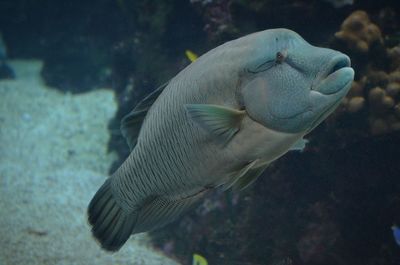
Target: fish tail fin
<point>111,225</point>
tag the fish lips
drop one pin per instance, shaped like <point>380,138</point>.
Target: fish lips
<point>332,89</point>
<point>329,97</point>
<point>335,81</point>
<point>335,75</point>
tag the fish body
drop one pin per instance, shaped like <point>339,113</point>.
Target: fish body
<point>219,123</point>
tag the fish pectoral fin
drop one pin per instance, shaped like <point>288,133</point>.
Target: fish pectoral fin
<point>239,175</point>
<point>249,178</point>
<point>220,121</point>
<point>132,122</point>
<point>299,145</point>
<point>158,211</point>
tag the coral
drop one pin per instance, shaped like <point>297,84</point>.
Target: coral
<point>376,92</point>
<point>358,32</point>
<point>356,104</point>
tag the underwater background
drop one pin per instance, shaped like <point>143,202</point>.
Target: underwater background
<point>70,70</point>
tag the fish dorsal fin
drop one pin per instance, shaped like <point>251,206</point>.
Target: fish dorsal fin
<point>158,211</point>
<point>220,121</point>
<point>249,178</point>
<point>132,122</point>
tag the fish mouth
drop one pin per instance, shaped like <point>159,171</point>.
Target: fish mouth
<point>336,76</point>
<point>329,108</point>
<point>337,63</point>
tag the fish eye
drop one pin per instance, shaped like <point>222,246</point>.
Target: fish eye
<point>279,57</point>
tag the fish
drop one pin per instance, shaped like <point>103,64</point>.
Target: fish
<point>217,124</point>
<point>191,55</point>
<point>396,234</point>
<point>199,260</point>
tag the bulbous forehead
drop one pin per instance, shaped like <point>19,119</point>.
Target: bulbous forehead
<point>285,35</point>
<point>278,38</point>
<point>259,47</point>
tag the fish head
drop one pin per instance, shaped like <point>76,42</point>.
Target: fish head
<point>290,86</point>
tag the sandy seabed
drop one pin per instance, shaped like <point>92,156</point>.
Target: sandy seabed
<point>53,158</point>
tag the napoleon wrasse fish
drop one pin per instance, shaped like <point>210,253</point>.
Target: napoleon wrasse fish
<point>219,123</point>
